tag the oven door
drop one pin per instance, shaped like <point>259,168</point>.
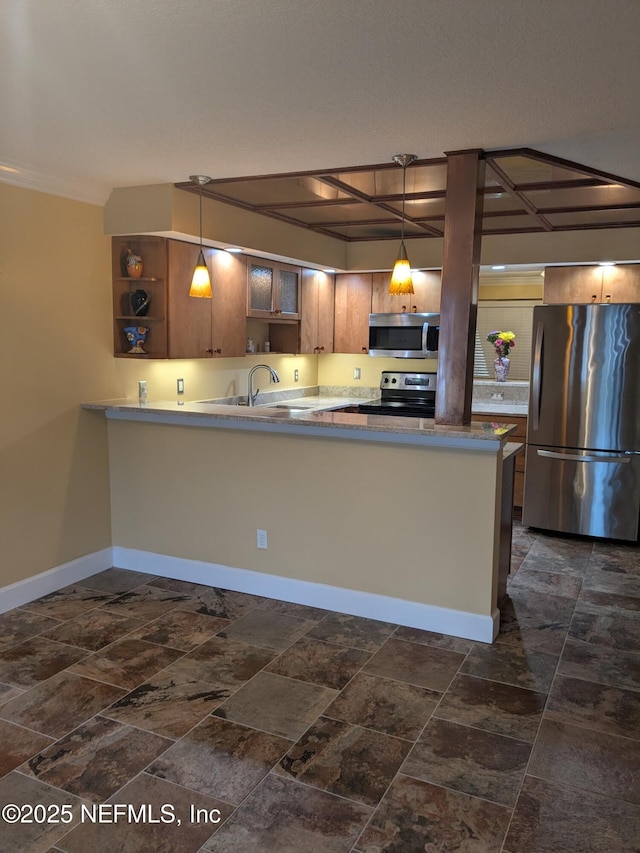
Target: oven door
<point>403,410</point>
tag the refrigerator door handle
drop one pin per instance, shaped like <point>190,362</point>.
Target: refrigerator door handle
<point>536,375</point>
<point>572,457</point>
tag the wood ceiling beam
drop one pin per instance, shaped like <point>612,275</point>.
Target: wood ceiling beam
<point>363,197</point>
<point>552,160</point>
<point>510,187</point>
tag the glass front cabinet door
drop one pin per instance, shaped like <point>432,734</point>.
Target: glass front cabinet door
<point>273,290</point>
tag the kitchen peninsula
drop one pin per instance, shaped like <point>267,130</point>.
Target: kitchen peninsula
<point>389,518</point>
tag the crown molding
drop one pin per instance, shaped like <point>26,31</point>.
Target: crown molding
<point>20,176</point>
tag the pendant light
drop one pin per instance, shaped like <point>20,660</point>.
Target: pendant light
<point>200,283</point>
<point>401,276</point>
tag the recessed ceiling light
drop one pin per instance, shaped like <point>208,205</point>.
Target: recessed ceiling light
<point>499,267</point>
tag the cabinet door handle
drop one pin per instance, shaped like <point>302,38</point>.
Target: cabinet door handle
<point>364,349</point>
<point>209,351</point>
<point>217,351</point>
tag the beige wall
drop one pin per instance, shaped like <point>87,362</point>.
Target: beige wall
<point>55,351</point>
<point>205,379</point>
<point>338,368</point>
<point>366,516</point>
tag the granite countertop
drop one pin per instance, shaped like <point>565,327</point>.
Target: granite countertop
<point>499,408</point>
<point>503,399</point>
<point>309,403</point>
<point>311,417</point>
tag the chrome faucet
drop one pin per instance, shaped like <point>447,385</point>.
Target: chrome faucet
<point>251,397</point>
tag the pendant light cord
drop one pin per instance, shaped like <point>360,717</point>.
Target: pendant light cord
<point>404,178</point>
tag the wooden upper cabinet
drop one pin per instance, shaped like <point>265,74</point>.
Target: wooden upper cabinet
<point>179,325</point>
<point>273,289</point>
<point>153,282</point>
<point>424,300</point>
<point>621,283</point>
<point>567,285</point>
<point>229,323</point>
<point>316,312</point>
<point>189,318</point>
<point>352,309</point>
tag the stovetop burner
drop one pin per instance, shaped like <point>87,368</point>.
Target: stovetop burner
<point>404,394</point>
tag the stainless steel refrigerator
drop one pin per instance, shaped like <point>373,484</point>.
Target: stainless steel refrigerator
<point>582,472</point>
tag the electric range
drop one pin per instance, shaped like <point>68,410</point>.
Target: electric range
<point>404,394</point>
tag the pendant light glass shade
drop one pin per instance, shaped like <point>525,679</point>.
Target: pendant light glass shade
<point>200,283</point>
<point>401,281</point>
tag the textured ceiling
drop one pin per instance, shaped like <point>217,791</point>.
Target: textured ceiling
<point>98,95</point>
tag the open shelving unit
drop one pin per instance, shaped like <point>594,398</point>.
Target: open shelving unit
<point>153,251</point>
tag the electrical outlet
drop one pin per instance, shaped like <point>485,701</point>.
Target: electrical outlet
<point>180,385</point>
<point>296,376</point>
<point>498,395</point>
<point>357,373</point>
<point>261,539</point>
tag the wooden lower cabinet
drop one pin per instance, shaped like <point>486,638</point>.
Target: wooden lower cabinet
<point>519,436</point>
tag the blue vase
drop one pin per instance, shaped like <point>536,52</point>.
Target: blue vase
<point>136,336</point>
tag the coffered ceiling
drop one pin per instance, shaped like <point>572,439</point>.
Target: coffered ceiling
<point>524,191</point>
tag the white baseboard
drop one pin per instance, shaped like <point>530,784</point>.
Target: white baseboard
<point>21,592</point>
<point>457,623</point>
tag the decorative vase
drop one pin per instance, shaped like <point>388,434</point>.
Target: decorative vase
<point>501,368</point>
<point>140,300</point>
<point>134,265</point>
<point>136,335</point>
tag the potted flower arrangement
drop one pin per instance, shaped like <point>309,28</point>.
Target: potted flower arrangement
<point>502,341</point>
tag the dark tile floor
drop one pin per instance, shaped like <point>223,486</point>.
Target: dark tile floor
<point>205,720</point>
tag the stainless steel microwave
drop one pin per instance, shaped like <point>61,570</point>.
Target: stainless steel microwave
<point>404,335</point>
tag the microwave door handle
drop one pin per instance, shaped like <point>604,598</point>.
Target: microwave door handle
<point>425,331</point>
